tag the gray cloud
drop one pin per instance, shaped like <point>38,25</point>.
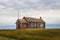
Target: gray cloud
<point>31,4</point>
<point>8,12</point>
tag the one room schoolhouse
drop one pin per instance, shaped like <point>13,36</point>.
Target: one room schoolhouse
<point>29,22</point>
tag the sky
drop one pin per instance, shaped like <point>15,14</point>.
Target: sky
<point>49,10</point>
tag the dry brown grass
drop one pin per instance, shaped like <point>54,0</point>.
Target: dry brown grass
<point>32,34</point>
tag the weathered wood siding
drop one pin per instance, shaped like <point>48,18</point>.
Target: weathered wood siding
<point>30,25</point>
<point>35,25</point>
<point>17,26</point>
<point>38,25</point>
<point>25,25</point>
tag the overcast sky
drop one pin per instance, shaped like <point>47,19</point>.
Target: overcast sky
<point>49,10</point>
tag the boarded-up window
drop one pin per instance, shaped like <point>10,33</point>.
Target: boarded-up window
<point>41,25</point>
<point>20,25</point>
<point>34,24</point>
<point>38,24</point>
<point>25,25</point>
<point>31,24</point>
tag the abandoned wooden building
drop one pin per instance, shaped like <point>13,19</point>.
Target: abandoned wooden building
<point>29,22</point>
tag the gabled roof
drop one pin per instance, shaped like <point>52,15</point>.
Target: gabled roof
<point>21,21</point>
<point>30,19</point>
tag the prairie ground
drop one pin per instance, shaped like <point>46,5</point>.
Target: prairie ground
<point>30,34</point>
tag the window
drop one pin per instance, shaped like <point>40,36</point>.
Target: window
<point>37,24</point>
<point>31,24</point>
<point>41,25</point>
<point>34,24</point>
<point>20,25</point>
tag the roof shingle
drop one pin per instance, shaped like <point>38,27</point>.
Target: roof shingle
<point>30,19</point>
<point>21,21</point>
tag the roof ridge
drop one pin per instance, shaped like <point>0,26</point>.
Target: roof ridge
<point>31,17</point>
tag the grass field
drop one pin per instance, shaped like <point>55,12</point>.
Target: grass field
<point>5,38</point>
<point>30,34</point>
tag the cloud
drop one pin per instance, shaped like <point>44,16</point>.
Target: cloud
<point>31,4</point>
<point>9,17</point>
<point>49,10</point>
<point>1,6</point>
<point>8,13</point>
<point>37,13</point>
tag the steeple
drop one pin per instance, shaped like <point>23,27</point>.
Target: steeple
<point>18,14</point>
